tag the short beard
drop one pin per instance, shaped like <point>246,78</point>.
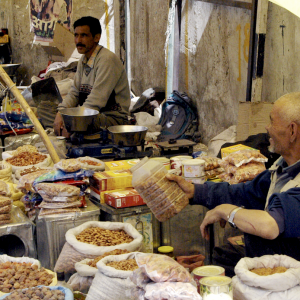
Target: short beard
<point>271,148</point>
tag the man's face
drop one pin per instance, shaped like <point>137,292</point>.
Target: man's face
<point>84,41</point>
<point>278,131</point>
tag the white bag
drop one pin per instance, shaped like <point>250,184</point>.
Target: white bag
<point>110,283</point>
<point>43,164</point>
<point>248,285</point>
<point>99,250</point>
<point>99,164</point>
<point>83,269</point>
<point>75,251</point>
<point>4,258</point>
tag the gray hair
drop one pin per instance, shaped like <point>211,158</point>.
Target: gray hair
<point>289,105</point>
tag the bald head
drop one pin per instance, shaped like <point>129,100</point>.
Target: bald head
<point>289,107</point>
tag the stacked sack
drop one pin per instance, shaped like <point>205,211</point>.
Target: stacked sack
<point>111,279</point>
<point>58,198</point>
<point>5,204</point>
<point>243,165</point>
<point>212,166</point>
<point>161,277</point>
<point>31,199</point>
<point>86,271</point>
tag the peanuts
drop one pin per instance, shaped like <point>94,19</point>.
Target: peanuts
<point>93,263</point>
<point>124,265</point>
<point>103,237</point>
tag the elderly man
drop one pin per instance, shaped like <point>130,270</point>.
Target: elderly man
<point>266,209</point>
<point>100,82</point>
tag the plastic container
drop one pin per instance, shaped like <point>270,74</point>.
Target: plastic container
<point>164,197</point>
<point>164,160</point>
<point>193,168</point>
<point>166,250</point>
<point>176,162</point>
<point>216,288</point>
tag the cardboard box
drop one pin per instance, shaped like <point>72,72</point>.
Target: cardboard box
<point>111,180</point>
<point>123,198</point>
<point>228,150</point>
<point>120,164</point>
<point>100,195</point>
<point>252,119</point>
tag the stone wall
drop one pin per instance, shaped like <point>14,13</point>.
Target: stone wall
<point>213,51</point>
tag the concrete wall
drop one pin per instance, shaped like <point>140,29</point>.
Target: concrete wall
<point>213,51</point>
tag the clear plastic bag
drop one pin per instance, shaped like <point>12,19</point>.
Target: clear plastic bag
<point>171,291</point>
<point>161,268</point>
<point>241,157</point>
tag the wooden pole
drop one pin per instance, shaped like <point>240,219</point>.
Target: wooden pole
<point>39,128</point>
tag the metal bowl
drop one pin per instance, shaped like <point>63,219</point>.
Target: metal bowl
<point>10,69</point>
<point>78,119</point>
<point>127,135</point>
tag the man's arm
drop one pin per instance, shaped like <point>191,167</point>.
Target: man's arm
<point>252,221</point>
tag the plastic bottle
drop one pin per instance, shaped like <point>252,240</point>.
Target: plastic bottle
<point>61,280</point>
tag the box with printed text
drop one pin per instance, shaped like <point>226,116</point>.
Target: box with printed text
<point>124,198</point>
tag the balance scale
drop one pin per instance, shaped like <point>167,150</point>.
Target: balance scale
<point>101,146</point>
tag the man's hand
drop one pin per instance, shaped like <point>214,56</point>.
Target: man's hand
<point>58,124</point>
<point>218,214</point>
<point>187,187</point>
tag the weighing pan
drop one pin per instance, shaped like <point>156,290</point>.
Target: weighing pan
<point>78,119</point>
<point>10,69</point>
<point>127,135</point>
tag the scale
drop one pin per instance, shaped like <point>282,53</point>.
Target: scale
<point>113,142</point>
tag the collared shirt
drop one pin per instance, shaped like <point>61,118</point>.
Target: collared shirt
<point>285,173</point>
<point>89,64</point>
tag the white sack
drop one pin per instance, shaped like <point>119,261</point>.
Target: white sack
<point>4,258</point>
<point>83,269</point>
<point>112,283</point>
<point>242,291</point>
<point>89,249</point>
<point>275,282</point>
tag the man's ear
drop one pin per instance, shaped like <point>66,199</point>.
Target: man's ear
<point>97,38</point>
<point>294,131</point>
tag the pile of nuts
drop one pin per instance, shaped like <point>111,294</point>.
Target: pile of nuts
<point>124,265</point>
<point>26,159</point>
<point>36,294</point>
<point>15,276</point>
<point>103,237</point>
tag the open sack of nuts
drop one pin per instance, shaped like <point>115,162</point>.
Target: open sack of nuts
<point>272,277</point>
<point>23,272</point>
<point>93,239</point>
<point>25,157</point>
<point>86,271</point>
<point>111,279</point>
